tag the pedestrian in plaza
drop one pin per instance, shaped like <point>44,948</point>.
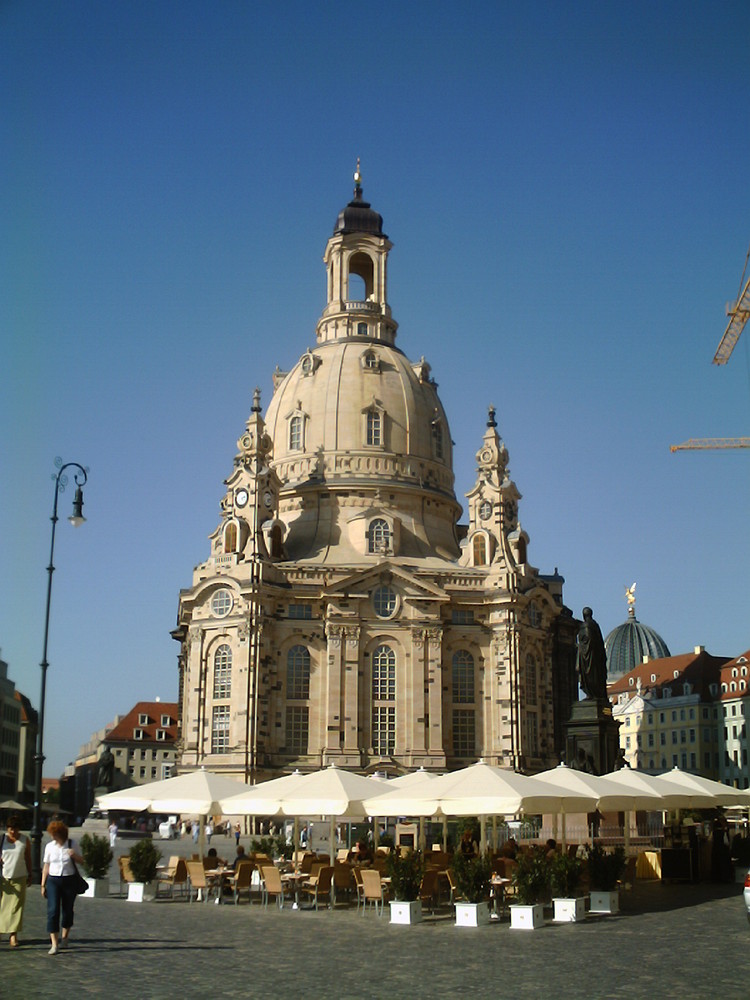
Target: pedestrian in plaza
<point>237,835</point>
<point>196,832</point>
<point>209,831</point>
<point>15,875</point>
<point>113,833</point>
<point>58,883</point>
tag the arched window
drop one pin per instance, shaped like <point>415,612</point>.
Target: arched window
<point>295,433</point>
<point>363,330</point>
<point>383,701</point>
<point>480,550</point>
<point>276,548</point>
<point>374,428</point>
<point>530,679</point>
<point>230,537</point>
<point>437,437</point>
<point>223,672</point>
<point>370,359</point>
<point>378,535</point>
<point>298,673</point>
<point>463,677</point>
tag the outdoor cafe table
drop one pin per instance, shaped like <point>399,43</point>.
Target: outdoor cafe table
<point>498,884</point>
<point>295,879</point>
<point>215,878</point>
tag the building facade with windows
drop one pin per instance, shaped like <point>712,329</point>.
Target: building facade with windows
<point>683,711</point>
<point>343,615</point>
<point>18,733</point>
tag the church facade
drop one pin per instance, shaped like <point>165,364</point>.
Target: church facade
<point>343,615</point>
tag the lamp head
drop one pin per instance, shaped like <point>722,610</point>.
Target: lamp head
<point>77,518</point>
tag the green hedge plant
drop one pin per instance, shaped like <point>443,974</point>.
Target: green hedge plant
<point>605,867</point>
<point>531,876</point>
<point>144,857</point>
<point>406,874</point>
<point>96,854</point>
<point>472,876</point>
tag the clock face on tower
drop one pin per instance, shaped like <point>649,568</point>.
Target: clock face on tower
<point>241,497</point>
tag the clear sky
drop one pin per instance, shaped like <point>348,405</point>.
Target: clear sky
<point>565,185</point>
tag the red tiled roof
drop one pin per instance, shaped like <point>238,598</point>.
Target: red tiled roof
<point>123,731</point>
<point>727,678</point>
<point>697,669</point>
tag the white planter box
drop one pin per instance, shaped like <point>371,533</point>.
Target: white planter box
<point>406,912</point>
<point>569,911</point>
<point>472,914</point>
<point>141,892</point>
<point>526,918</point>
<point>605,902</point>
<point>98,888</point>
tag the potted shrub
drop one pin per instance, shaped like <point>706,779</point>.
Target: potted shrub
<point>472,876</point>
<point>605,869</point>
<point>531,878</point>
<point>406,873</point>
<point>565,878</point>
<point>144,857</point>
<point>96,854</point>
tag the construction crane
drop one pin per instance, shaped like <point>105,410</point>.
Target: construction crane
<point>739,313</point>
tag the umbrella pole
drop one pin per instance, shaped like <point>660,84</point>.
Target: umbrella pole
<point>445,834</point>
<point>375,832</point>
<point>331,839</point>
<point>422,838</point>
<point>494,833</point>
<point>202,837</point>
<point>564,833</point>
<point>483,834</point>
<point>295,839</point>
<point>627,832</point>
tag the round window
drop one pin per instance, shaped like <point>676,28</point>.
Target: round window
<point>221,603</point>
<point>485,510</point>
<point>384,601</point>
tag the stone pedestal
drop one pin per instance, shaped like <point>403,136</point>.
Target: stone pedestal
<point>593,739</point>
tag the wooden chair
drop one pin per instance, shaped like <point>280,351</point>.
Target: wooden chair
<point>343,879</point>
<point>358,885</point>
<point>320,886</point>
<point>272,885</point>
<point>242,879</point>
<point>171,877</point>
<point>455,894</point>
<point>429,887</point>
<point>373,890</point>
<point>126,875</point>
<point>198,882</point>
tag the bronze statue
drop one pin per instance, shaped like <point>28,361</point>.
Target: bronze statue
<point>592,658</point>
<point>106,771</point>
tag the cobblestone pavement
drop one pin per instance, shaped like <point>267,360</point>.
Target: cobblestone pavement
<point>669,941</point>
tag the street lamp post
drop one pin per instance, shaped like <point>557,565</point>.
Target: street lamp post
<point>80,476</point>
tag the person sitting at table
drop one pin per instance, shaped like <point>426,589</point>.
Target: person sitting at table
<point>510,848</point>
<point>360,853</point>
<point>551,847</point>
<point>214,860</point>
<point>241,856</point>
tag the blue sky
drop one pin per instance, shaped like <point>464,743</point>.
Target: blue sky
<point>565,186</point>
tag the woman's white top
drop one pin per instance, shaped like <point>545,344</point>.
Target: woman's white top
<point>57,856</point>
<point>14,858</point>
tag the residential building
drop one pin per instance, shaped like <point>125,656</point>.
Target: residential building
<point>733,712</point>
<point>18,732</point>
<point>669,711</point>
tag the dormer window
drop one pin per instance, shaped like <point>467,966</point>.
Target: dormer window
<point>370,361</point>
<point>631,681</point>
<point>374,428</point>
<point>137,734</point>
<point>653,678</point>
<point>713,689</point>
<point>143,719</point>
<point>676,674</point>
<point>295,433</point>
<point>666,692</point>
<point>686,689</point>
<point>378,536</point>
<point>161,734</point>
<point>166,721</point>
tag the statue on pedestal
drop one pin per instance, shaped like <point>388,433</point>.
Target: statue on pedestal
<point>592,658</point>
<point>105,773</point>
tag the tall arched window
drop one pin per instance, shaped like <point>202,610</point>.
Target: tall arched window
<point>383,701</point>
<point>297,690</point>
<point>298,673</point>
<point>437,436</point>
<point>480,550</point>
<point>223,672</point>
<point>378,535</point>
<point>530,679</point>
<point>463,713</point>
<point>295,433</point>
<point>463,677</point>
<point>230,537</point>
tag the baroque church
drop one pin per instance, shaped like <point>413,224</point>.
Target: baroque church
<point>343,614</point>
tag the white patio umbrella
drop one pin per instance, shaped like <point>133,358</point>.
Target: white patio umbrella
<point>610,796</point>
<point>332,792</point>
<point>263,799</point>
<point>669,796</point>
<point>193,792</point>
<point>406,781</point>
<point>703,792</point>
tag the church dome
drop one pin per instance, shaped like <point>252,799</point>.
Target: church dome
<point>627,644</point>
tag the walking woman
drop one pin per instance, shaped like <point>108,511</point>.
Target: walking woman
<point>58,884</point>
<point>16,874</point>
